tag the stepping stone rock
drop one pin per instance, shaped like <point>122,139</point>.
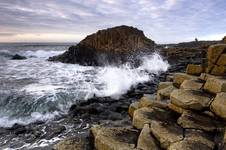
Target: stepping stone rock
<point>146,141</point>
<point>222,60</point>
<point>200,137</point>
<point>180,77</point>
<point>166,133</point>
<point>215,85</point>
<point>132,107</point>
<point>188,144</point>
<point>215,51</point>
<point>218,106</point>
<point>151,102</point>
<point>218,70</point>
<point>115,138</point>
<point>194,69</point>
<point>192,85</point>
<point>163,85</point>
<point>206,76</point>
<point>176,108</point>
<point>164,94</point>
<point>190,99</point>
<point>146,115</point>
<point>74,143</point>
<point>192,120</point>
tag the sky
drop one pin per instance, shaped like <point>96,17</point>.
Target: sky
<point>164,21</point>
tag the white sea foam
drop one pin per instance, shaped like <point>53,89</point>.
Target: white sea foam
<point>56,86</point>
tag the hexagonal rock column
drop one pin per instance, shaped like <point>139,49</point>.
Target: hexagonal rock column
<point>146,141</point>
<point>179,78</point>
<point>166,133</point>
<point>215,85</point>
<point>190,99</point>
<point>194,69</point>
<point>146,115</point>
<point>115,138</point>
<point>218,106</point>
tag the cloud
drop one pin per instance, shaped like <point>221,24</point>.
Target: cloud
<point>161,20</point>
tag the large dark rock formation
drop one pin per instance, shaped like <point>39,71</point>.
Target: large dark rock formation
<point>110,46</point>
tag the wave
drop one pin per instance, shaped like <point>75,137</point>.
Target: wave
<point>39,90</point>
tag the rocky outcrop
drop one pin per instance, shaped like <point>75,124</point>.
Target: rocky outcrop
<point>194,116</point>
<point>111,46</point>
<point>18,57</point>
<point>224,39</point>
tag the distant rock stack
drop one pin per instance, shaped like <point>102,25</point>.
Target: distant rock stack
<point>224,39</point>
<point>188,112</point>
<point>111,46</point>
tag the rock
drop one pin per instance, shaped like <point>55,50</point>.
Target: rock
<point>218,106</point>
<point>194,69</point>
<point>163,85</point>
<point>188,144</point>
<point>115,138</point>
<point>215,85</point>
<point>169,78</point>
<point>164,94</point>
<point>151,102</point>
<point>110,46</point>
<point>218,70</point>
<point>222,60</point>
<point>180,77</point>
<point>224,39</point>
<point>18,57</point>
<point>191,85</point>
<point>190,99</point>
<point>176,108</point>
<point>215,51</point>
<point>206,76</point>
<point>192,120</point>
<point>200,136</point>
<point>146,141</point>
<point>146,115</point>
<point>73,143</point>
<point>166,133</point>
<point>132,107</point>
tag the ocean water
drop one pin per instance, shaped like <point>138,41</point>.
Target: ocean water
<point>35,89</point>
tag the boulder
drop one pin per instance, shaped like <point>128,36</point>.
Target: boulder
<point>206,76</point>
<point>215,85</point>
<point>146,141</point>
<point>132,107</point>
<point>164,94</point>
<point>180,77</point>
<point>163,85</point>
<point>222,60</point>
<point>200,136</point>
<point>166,133</point>
<point>218,106</point>
<point>146,115</point>
<point>224,39</point>
<point>215,51</point>
<point>188,144</point>
<point>192,85</point>
<point>18,57</point>
<point>190,99</point>
<point>176,108</point>
<point>218,70</point>
<point>73,143</point>
<point>149,101</point>
<point>110,46</point>
<point>192,120</point>
<point>115,138</point>
<point>194,69</point>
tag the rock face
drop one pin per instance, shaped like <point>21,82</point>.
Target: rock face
<point>110,46</point>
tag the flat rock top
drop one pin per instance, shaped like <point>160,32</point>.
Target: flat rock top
<point>120,38</point>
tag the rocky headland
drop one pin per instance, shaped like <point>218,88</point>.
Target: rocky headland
<point>115,45</point>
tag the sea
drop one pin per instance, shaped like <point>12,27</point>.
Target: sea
<point>35,89</point>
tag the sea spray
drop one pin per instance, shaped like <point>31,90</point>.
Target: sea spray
<point>35,89</point>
